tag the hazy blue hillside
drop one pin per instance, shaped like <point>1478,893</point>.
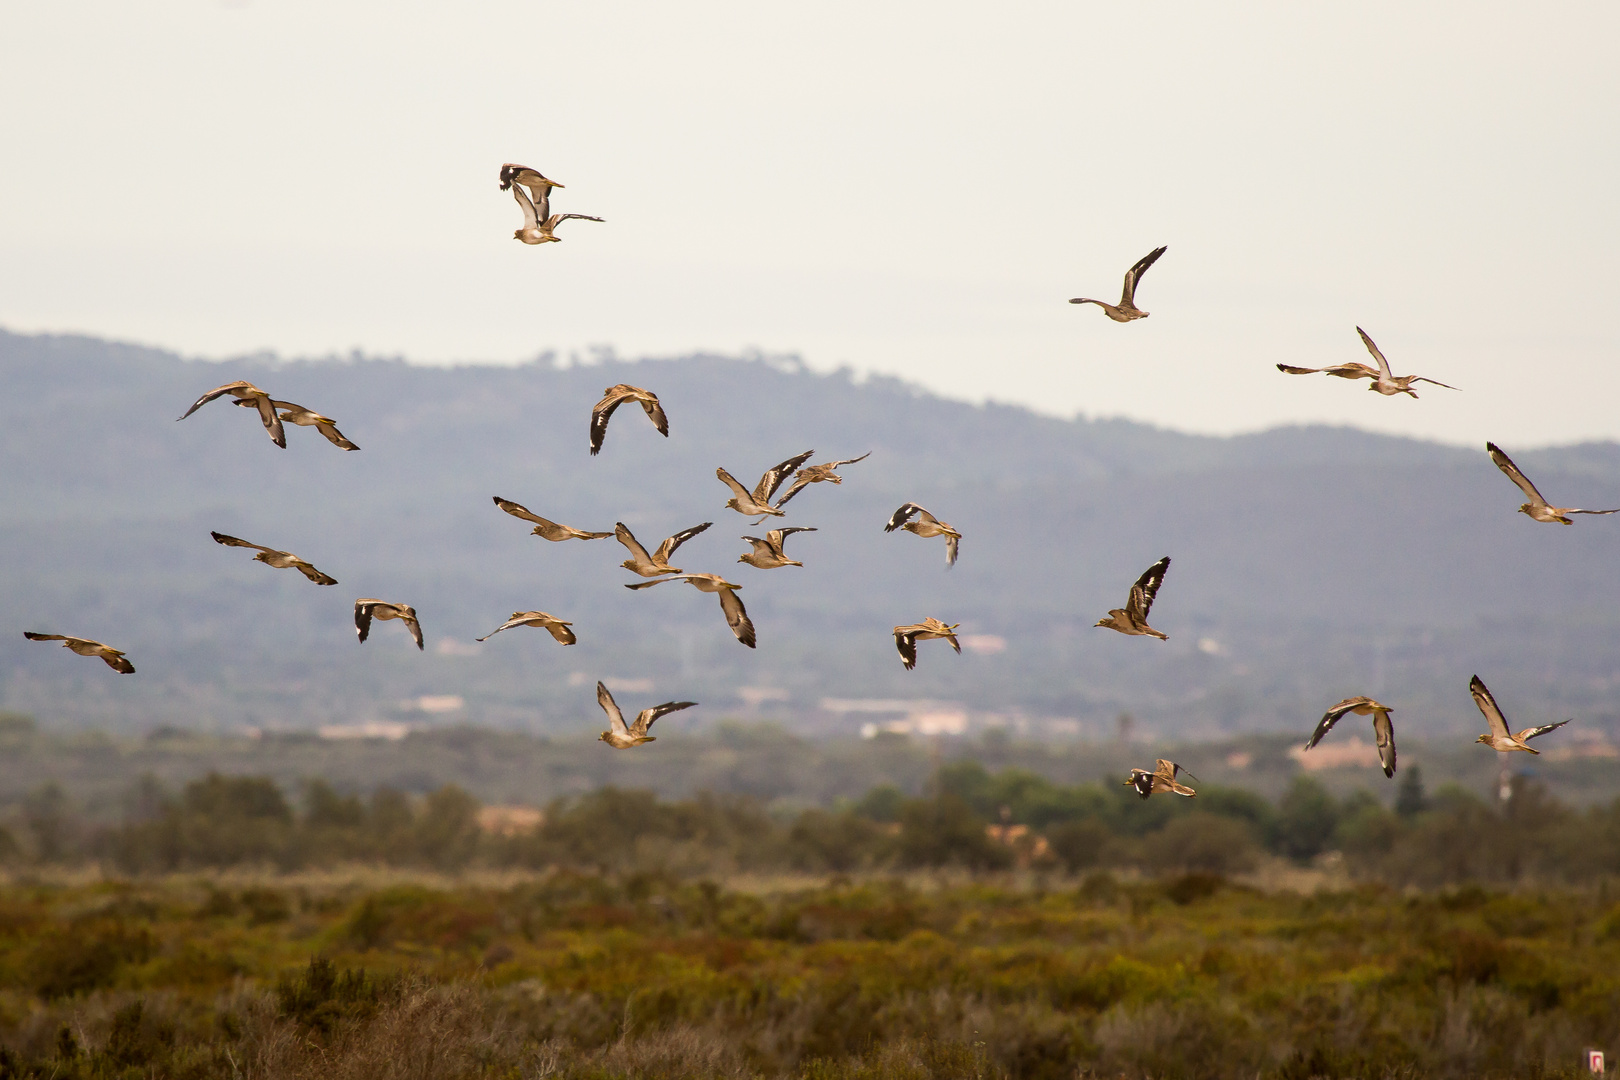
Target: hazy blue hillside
<point>1309,563</point>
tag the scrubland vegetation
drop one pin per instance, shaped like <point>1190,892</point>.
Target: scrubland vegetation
<point>1000,925</point>
<point>587,975</point>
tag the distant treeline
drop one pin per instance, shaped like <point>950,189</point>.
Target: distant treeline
<point>971,819</point>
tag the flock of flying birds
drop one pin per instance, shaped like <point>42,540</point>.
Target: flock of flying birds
<point>533,194</point>
<point>1132,619</point>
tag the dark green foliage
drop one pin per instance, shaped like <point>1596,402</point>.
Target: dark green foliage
<point>1410,798</point>
<point>1203,843</point>
<point>944,831</point>
<point>1080,845</point>
<point>83,956</point>
<point>1306,819</point>
<point>839,842</point>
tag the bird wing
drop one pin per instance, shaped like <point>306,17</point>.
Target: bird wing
<point>518,510</point>
<point>1160,767</point>
<point>907,646</point>
<point>1531,733</point>
<point>313,574</point>
<point>776,536</point>
<point>847,461</point>
<point>773,477</point>
<point>272,422</point>
<point>611,707</point>
<point>771,545</point>
<point>800,482</point>
<point>540,195</point>
<point>409,616</point>
<point>518,618</point>
<point>1487,705</point>
<point>599,418</point>
<point>1600,513</point>
<point>952,543</point>
<point>624,536</point>
<point>737,616</point>
<point>658,581</point>
<point>1146,588</point>
<point>116,661</point>
<point>32,636</point>
<point>333,435</point>
<point>1134,275</point>
<point>1383,365</point>
<point>1332,717</point>
<point>530,219</point>
<point>731,482</point>
<point>557,219</point>
<point>1436,382</point>
<point>240,384</point>
<point>559,629</point>
<point>1343,371</point>
<point>231,541</point>
<point>654,411</point>
<point>902,515</point>
<point>1384,734</point>
<point>647,717</point>
<point>362,617</point>
<point>667,549</point>
<point>1505,463</point>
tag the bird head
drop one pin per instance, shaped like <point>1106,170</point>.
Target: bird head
<point>628,564</point>
<point>604,736</point>
<point>1484,739</point>
<point>1525,509</point>
<point>731,504</point>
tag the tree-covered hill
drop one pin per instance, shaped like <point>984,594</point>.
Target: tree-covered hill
<point>1308,563</point>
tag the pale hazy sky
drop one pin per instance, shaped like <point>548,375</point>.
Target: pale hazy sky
<point>909,188</point>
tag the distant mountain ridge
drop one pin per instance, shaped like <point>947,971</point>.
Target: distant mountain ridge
<point>1307,562</point>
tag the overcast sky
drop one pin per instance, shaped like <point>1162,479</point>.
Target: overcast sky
<point>907,188</point>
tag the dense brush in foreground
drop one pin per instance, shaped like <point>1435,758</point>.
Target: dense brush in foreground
<point>586,976</point>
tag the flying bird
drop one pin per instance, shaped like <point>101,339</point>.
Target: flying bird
<point>612,398</point>
<point>550,530</point>
<point>281,560</point>
<point>1499,738</point>
<point>297,414</point>
<point>1161,781</point>
<point>758,502</point>
<point>367,608</point>
<point>1537,508</point>
<point>1383,730</point>
<point>539,223</point>
<point>526,177</point>
<point>86,647</point>
<point>730,603</point>
<point>906,638</point>
<point>1127,311</point>
<point>656,564</point>
<point>926,525</point>
<point>817,474</point>
<point>247,394</point>
<point>623,737</point>
<point>768,553</point>
<point>1383,380</point>
<point>550,623</point>
<point>1132,618</point>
